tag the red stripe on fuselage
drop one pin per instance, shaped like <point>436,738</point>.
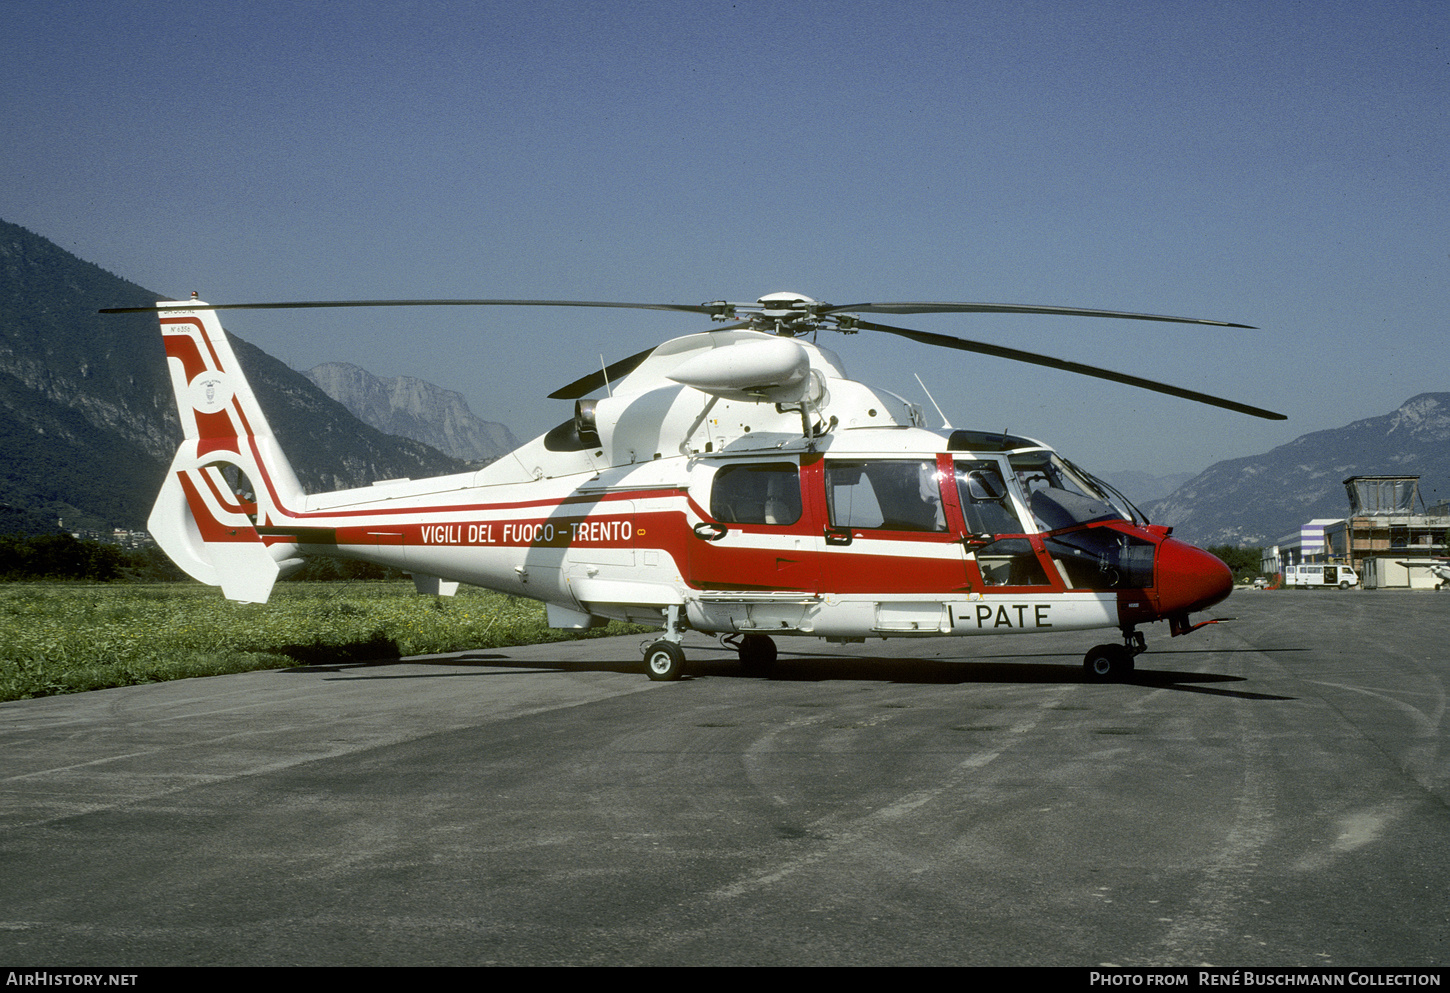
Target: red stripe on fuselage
<point>211,529</point>
<point>214,426</point>
<point>224,495</point>
<point>468,508</point>
<point>182,347</point>
<point>195,322</point>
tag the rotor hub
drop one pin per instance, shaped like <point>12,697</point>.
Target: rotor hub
<point>788,314</point>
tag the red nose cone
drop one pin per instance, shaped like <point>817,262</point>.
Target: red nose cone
<point>1189,578</point>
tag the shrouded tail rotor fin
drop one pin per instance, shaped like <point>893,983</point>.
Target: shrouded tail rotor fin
<point>228,476</point>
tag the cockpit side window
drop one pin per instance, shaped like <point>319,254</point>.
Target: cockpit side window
<point>894,495</point>
<point>986,504</point>
<point>768,493</point>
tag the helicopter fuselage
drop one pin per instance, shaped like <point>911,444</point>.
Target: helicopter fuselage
<point>734,483</point>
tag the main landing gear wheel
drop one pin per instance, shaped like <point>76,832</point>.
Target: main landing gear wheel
<point>664,661</point>
<point>1108,663</point>
<point>757,653</point>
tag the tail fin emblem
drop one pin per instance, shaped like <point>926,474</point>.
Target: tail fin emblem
<point>210,393</point>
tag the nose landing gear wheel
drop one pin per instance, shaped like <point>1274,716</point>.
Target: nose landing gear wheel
<point>664,661</point>
<point>1108,663</point>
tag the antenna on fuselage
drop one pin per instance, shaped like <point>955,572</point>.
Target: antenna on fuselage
<point>945,421</point>
<point>609,390</point>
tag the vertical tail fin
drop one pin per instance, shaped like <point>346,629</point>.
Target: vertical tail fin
<point>229,475</point>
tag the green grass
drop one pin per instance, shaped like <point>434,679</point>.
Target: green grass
<point>59,638</point>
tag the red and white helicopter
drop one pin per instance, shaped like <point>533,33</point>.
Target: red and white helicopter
<point>733,481</point>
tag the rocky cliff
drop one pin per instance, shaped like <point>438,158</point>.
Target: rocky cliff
<point>414,408</point>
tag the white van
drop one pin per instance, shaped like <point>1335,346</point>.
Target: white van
<point>1306,576</point>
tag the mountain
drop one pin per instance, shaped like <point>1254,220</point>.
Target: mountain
<point>1257,500</point>
<point>88,422</point>
<point>415,409</point>
<point>1142,487</point>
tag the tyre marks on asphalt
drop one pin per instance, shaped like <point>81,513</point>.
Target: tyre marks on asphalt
<point>850,835</point>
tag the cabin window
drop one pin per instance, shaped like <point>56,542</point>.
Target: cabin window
<point>768,493</point>
<point>891,495</point>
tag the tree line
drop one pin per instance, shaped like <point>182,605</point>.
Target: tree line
<point>27,558</point>
<point>1244,562</point>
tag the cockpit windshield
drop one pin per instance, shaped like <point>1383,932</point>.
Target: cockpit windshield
<point>1060,495</point>
<point>1124,506</point>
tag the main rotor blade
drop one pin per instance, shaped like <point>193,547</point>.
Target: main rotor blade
<point>1015,308</point>
<point>617,371</point>
<point>701,308</point>
<point>611,373</point>
<point>1017,355</point>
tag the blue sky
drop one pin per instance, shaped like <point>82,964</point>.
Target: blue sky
<point>1272,163</point>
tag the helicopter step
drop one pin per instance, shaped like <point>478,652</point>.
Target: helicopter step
<point>756,596</point>
<point>913,617</point>
<point>754,610</point>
